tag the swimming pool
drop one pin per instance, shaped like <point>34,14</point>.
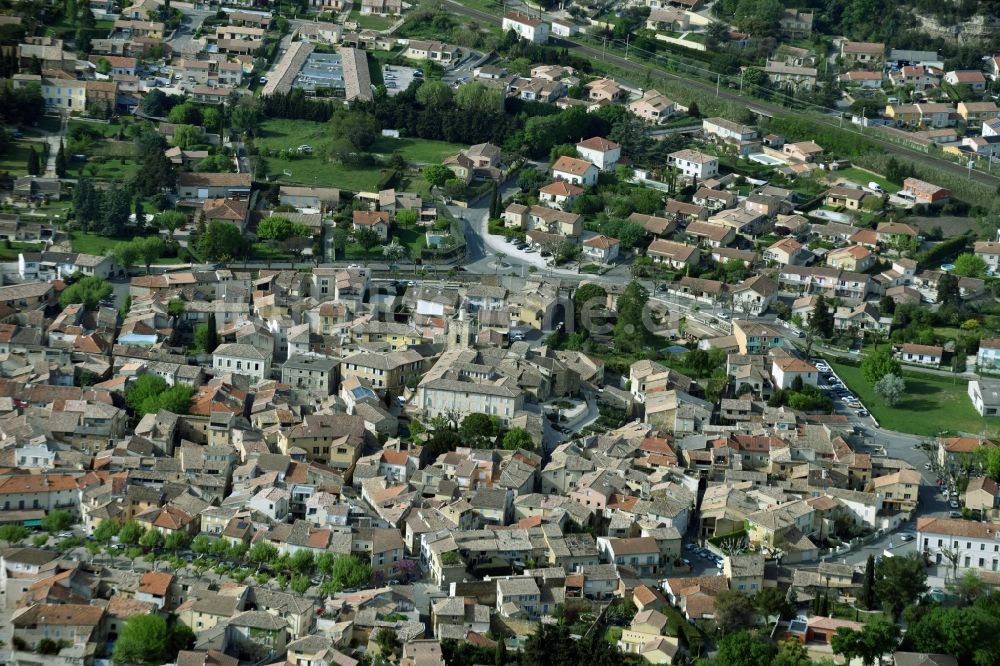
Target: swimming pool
<point>766,160</point>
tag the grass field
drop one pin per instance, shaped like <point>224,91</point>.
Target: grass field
<point>369,22</point>
<point>116,169</point>
<point>109,130</point>
<point>100,245</point>
<point>93,243</point>
<point>862,177</point>
<point>314,170</point>
<point>929,405</point>
<point>420,151</point>
<point>9,251</point>
<point>14,160</point>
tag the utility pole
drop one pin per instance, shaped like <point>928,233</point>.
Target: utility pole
<point>718,81</point>
<point>626,45</point>
<point>742,70</point>
<point>604,45</point>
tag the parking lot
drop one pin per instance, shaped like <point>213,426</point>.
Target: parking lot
<point>701,560</point>
<point>399,78</point>
<point>844,401</point>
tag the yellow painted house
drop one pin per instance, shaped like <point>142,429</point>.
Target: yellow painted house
<point>903,114</point>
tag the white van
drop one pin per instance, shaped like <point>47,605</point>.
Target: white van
<point>874,187</point>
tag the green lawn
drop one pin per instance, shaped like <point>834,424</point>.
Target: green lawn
<point>930,405</point>
<point>9,251</point>
<point>314,170</point>
<point>100,245</point>
<point>420,151</point>
<point>112,168</point>
<point>14,160</point>
<point>93,243</point>
<point>109,130</point>
<point>863,177</point>
<point>369,22</point>
<point>414,239</point>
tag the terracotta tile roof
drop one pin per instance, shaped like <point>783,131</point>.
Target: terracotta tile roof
<point>156,583</point>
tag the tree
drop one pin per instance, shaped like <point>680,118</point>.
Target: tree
<point>280,228</point>
<point>149,394</point>
<point>434,94</point>
<point>479,430</point>
<point>245,115</point>
<point>56,521</point>
<point>367,238</point>
<point>206,337</point>
<point>301,584</point>
<point>742,648</point>
<point>970,265</point>
<point>34,165</point>
<point>176,541</point>
<point>878,364</point>
<point>530,179</point>
<point>222,242</point>
<point>876,638</point>
<point>495,210</point>
<point>969,587</point>
<point>821,321</point>
<point>890,388</point>
<point>186,136</point>
<point>130,533</point>
<point>149,249</point>
<point>358,128</point>
<point>142,640</point>
<point>867,598</point>
<point>733,612</point>
<point>176,307</point>
<point>947,290</point>
<point>48,646</point>
<point>631,333</point>
<point>263,553</point>
<point>771,601</point>
<point>394,251</point>
<point>152,539</point>
<point>588,299</point>
<point>201,544</point>
<point>899,581</point>
<point>61,160</point>
<point>629,234</point>
<point>302,561</point>
<point>479,100</point>
<point>455,188</point>
<point>187,114</point>
<point>106,531</point>
<point>12,533</point>
<point>339,241</point>
<point>797,384</point>
<point>500,659</point>
<point>89,291</point>
<point>437,174</point>
<point>387,642</point>
<point>968,634</point>
<point>517,438</point>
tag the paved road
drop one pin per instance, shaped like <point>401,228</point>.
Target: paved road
<point>183,41</point>
<point>54,141</point>
<point>710,90</point>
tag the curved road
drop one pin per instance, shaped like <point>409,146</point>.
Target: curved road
<point>775,109</point>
